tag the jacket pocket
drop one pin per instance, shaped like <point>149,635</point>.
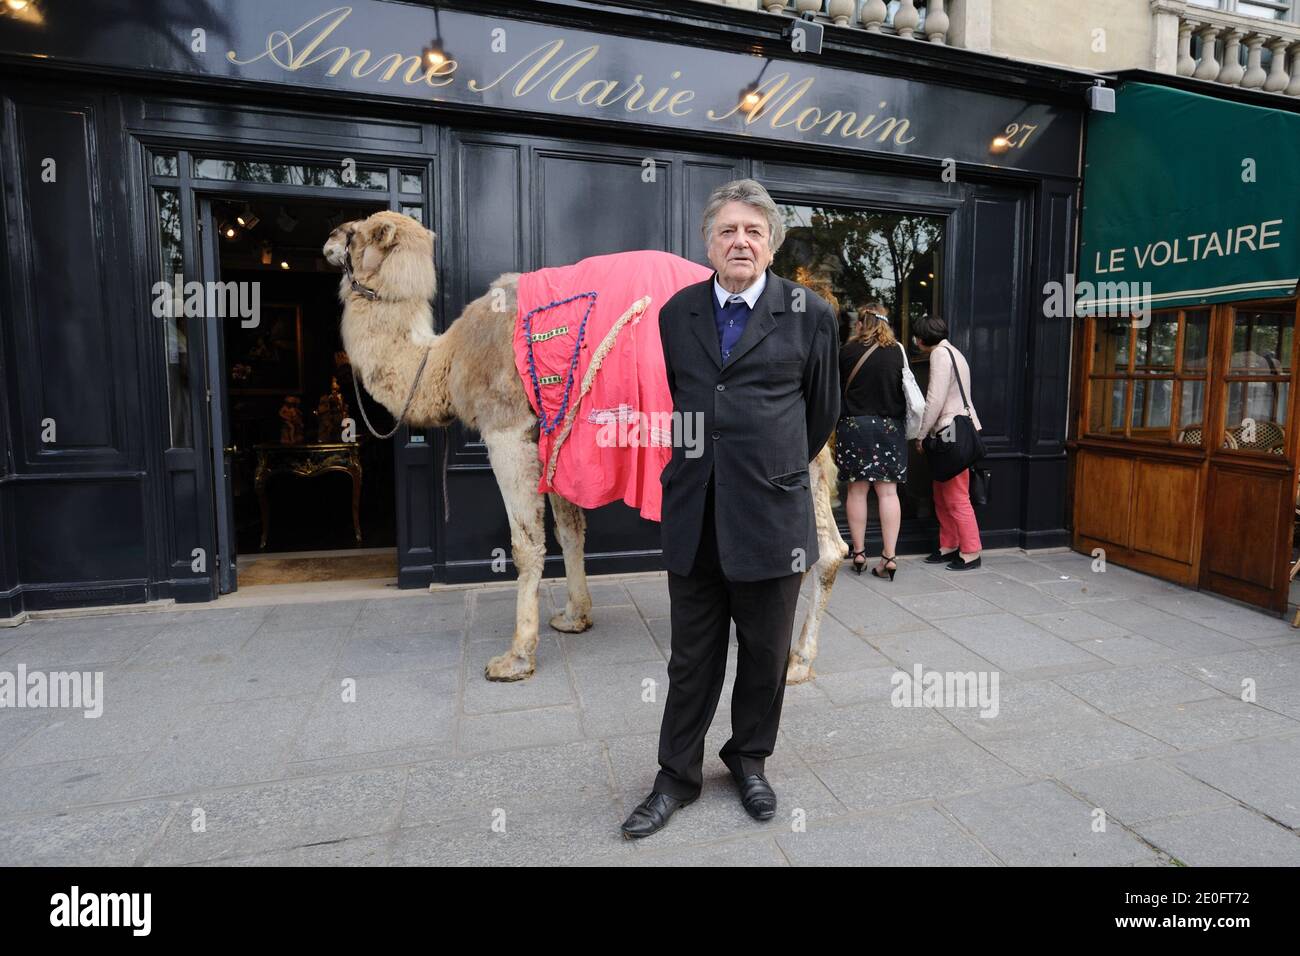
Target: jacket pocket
<point>791,480</point>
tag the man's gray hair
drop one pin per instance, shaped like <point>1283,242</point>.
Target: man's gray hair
<point>752,193</point>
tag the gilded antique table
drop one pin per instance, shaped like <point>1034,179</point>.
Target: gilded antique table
<point>307,461</point>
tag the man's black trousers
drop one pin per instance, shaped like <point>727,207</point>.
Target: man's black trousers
<point>703,605</point>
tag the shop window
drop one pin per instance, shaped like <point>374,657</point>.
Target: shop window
<point>175,325</point>
<point>411,182</point>
<point>291,174</point>
<point>415,212</point>
<point>1147,379</point>
<point>853,256</point>
<point>1257,382</point>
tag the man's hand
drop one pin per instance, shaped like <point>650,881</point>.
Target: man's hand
<point>920,448</point>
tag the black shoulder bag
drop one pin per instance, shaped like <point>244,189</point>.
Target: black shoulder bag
<point>958,446</point>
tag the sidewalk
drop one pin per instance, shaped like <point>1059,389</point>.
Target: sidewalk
<point>225,737</point>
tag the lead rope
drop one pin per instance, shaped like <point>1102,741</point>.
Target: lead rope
<point>405,408</point>
<point>419,372</point>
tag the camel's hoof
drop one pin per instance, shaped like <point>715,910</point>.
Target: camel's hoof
<point>508,667</point>
<point>562,622</point>
<point>797,672</point>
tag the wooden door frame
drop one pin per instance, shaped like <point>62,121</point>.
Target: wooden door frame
<point>1222,460</point>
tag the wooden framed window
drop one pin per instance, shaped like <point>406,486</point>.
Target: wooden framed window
<point>1147,381</point>
<point>1256,388</point>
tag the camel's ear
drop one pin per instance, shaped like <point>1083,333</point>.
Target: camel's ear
<point>386,237</point>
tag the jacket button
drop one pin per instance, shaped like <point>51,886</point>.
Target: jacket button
<point>721,387</point>
<point>717,435</point>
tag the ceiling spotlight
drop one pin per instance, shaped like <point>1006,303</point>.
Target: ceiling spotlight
<point>228,230</point>
<point>246,217</point>
<point>284,264</point>
<point>285,221</point>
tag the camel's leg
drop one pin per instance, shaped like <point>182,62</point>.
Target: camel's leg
<point>514,461</point>
<point>571,530</point>
<point>832,550</point>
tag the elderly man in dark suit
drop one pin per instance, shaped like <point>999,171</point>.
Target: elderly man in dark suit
<point>753,357</point>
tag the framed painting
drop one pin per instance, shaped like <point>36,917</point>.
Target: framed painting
<point>266,359</point>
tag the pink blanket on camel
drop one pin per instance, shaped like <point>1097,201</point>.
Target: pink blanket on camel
<point>595,374</point>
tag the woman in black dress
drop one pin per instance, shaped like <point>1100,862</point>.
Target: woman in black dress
<point>871,435</point>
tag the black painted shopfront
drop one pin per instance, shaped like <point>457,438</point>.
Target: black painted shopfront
<point>133,132</point>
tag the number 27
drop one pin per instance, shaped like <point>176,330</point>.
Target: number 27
<point>1015,128</point>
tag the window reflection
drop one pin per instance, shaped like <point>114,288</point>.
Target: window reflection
<point>175,325</point>
<point>291,174</point>
<point>852,257</point>
<point>864,255</point>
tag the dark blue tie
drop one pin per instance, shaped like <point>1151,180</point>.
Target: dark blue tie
<point>731,319</point>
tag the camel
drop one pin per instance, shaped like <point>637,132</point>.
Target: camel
<point>468,374</point>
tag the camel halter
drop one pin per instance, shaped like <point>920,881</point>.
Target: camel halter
<point>357,287</point>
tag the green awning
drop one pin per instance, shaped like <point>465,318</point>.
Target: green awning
<point>1198,196</point>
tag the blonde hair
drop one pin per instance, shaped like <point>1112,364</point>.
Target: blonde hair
<point>872,329</point>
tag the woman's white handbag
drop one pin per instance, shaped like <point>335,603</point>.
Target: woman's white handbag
<point>915,400</point>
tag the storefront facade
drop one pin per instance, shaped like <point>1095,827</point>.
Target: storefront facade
<point>525,135</point>
<point>1186,449</point>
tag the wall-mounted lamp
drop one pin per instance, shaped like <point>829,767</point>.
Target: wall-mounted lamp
<point>804,34</point>
<point>1101,98</point>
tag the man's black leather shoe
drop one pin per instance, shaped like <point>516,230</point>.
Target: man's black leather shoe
<point>651,814</point>
<point>758,797</point>
<point>940,557</point>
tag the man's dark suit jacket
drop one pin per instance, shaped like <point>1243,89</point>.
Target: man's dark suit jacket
<point>766,415</point>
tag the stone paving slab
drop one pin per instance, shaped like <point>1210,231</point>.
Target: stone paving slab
<point>914,836</point>
<point>228,736</point>
<point>1144,790</point>
<point>1264,774</point>
<point>1233,836</point>
<point>1042,824</point>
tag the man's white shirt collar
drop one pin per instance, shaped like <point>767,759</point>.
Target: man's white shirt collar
<point>750,295</point>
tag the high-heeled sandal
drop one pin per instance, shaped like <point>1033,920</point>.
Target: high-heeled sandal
<point>854,555</point>
<point>888,570</point>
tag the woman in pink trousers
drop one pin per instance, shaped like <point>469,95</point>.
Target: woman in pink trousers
<point>959,533</point>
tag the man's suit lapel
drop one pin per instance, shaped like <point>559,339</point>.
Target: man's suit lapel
<point>701,321</point>
<point>762,320</point>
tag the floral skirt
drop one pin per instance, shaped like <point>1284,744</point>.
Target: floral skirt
<point>869,448</point>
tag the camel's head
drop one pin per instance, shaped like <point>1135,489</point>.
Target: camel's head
<point>388,253</point>
<point>336,246</point>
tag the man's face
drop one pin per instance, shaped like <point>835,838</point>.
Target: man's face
<point>740,245</point>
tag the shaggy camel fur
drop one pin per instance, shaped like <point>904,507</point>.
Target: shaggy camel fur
<point>470,376</point>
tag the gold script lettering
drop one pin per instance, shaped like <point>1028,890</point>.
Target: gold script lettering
<point>278,42</point>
